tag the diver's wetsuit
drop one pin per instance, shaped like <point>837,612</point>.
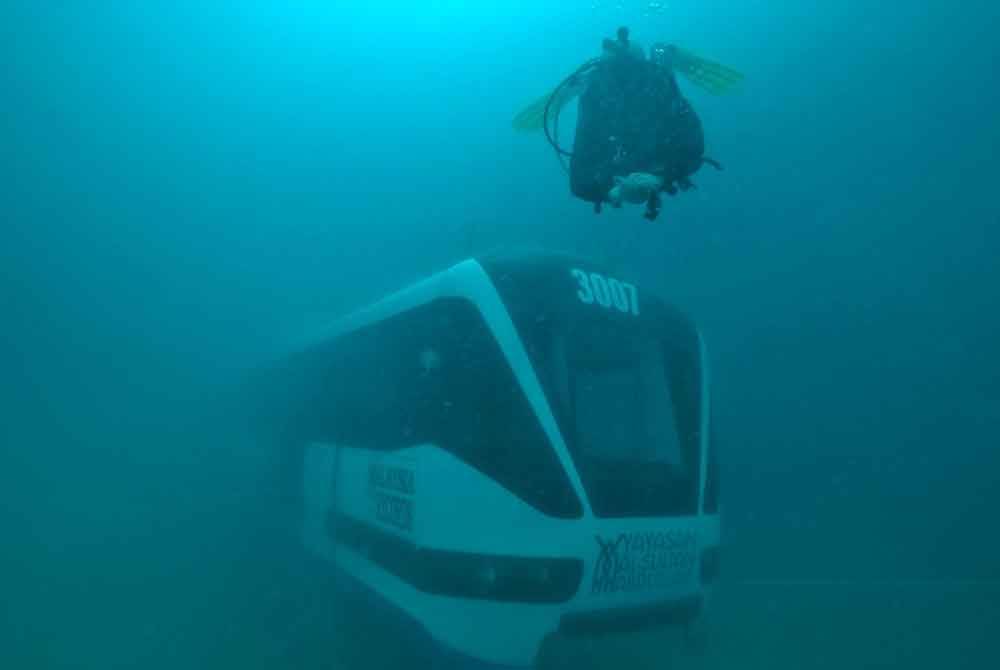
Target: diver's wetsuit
<point>633,118</point>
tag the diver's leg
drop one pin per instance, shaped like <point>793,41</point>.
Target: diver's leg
<point>653,207</point>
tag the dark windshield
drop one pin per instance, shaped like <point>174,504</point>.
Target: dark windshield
<point>614,395</point>
<point>621,404</point>
<point>624,385</point>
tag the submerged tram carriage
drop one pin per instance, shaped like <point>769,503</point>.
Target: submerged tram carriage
<point>510,449</point>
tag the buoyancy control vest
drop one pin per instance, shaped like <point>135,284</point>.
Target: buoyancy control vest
<point>632,117</point>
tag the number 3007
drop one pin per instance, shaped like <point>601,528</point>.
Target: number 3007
<point>608,293</point>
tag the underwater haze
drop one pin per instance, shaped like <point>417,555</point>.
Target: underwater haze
<point>188,186</point>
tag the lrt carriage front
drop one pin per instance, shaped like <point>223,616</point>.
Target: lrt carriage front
<point>507,451</point>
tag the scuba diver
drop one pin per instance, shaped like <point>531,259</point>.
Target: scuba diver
<point>637,136</point>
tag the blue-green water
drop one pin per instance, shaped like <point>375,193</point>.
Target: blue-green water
<point>187,185</point>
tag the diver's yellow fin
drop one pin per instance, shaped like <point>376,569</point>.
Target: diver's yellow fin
<point>709,75</point>
<point>532,117</point>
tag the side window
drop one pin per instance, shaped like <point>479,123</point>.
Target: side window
<point>436,374</point>
<point>495,430</point>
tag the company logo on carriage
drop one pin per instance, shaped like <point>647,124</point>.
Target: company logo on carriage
<point>391,489</point>
<point>642,561</point>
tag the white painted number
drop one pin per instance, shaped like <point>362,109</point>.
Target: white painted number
<point>618,295</point>
<point>600,289</point>
<point>606,292</point>
<point>585,295</point>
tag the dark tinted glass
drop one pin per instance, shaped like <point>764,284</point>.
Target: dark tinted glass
<point>623,380</point>
<point>621,414</point>
<point>437,375</point>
